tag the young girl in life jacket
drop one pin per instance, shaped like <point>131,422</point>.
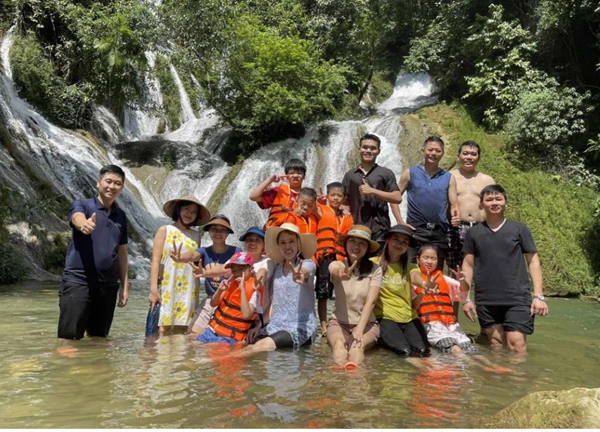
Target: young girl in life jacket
<point>237,301</point>
<point>435,309</point>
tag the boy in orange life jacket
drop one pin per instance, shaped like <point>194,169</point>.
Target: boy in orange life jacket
<point>435,308</point>
<point>237,302</point>
<point>280,199</point>
<point>333,222</point>
<point>304,215</point>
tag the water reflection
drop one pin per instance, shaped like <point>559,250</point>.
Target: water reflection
<point>125,381</point>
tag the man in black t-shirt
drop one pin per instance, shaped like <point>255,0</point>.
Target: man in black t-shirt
<point>494,253</point>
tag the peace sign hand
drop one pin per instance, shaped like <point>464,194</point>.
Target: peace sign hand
<point>297,275</point>
<point>175,254</point>
<point>259,280</point>
<point>346,272</point>
<point>430,285</point>
<point>198,269</point>
<point>321,198</point>
<point>225,283</point>
<point>458,274</point>
<point>89,225</point>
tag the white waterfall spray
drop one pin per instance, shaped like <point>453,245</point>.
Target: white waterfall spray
<point>187,112</point>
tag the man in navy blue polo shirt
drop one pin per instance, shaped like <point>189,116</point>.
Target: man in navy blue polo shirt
<point>96,260</point>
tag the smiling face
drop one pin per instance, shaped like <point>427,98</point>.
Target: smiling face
<point>468,158</point>
<point>335,197</point>
<point>237,270</point>
<point>289,245</point>
<point>254,244</point>
<point>493,203</point>
<point>433,152</point>
<point>369,150</point>
<point>189,213</point>
<point>428,259</point>
<point>356,248</point>
<point>398,243</point>
<point>110,186</point>
<point>218,233</point>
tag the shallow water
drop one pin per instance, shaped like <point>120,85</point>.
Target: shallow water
<point>123,382</point>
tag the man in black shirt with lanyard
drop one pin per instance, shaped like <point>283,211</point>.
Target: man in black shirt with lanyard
<point>494,253</point>
<point>370,188</point>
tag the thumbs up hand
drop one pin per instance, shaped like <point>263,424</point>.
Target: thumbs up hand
<point>365,189</point>
<point>89,225</point>
<point>455,221</point>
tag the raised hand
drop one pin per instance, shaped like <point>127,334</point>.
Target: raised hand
<point>198,269</point>
<point>89,225</point>
<point>458,274</point>
<point>346,272</point>
<point>297,275</point>
<point>430,285</point>
<point>175,254</point>
<point>259,280</point>
<point>321,198</point>
<point>365,189</point>
<point>225,283</point>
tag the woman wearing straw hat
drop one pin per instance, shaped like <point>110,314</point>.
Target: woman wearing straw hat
<point>352,328</point>
<point>290,321</point>
<point>172,283</point>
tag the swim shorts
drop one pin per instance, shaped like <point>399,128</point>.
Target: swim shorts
<point>512,318</point>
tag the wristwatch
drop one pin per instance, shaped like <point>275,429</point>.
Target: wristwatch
<point>540,297</point>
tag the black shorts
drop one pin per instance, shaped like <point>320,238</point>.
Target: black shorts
<point>512,318</point>
<point>284,339</point>
<point>324,286</point>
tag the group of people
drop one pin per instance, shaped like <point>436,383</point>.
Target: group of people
<point>386,281</point>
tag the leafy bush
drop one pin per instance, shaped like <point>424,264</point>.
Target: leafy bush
<point>545,123</point>
<point>39,84</point>
<point>12,265</point>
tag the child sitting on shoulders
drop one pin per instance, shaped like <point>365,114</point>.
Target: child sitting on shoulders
<point>333,222</point>
<point>435,308</point>
<point>304,215</point>
<point>237,302</point>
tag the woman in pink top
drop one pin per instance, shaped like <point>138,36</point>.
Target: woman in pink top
<point>352,328</point>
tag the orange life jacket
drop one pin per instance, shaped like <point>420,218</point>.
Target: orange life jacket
<point>282,204</point>
<point>307,225</point>
<point>328,229</point>
<point>437,307</point>
<point>227,320</point>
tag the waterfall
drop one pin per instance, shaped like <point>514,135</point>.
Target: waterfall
<point>142,123</point>
<point>187,112</point>
<point>68,160</point>
<point>411,92</point>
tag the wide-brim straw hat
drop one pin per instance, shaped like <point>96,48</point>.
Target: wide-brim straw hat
<point>361,232</point>
<point>220,220</point>
<point>402,229</point>
<point>308,242</point>
<point>203,217</point>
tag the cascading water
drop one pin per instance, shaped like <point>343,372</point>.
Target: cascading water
<point>187,112</point>
<point>66,160</point>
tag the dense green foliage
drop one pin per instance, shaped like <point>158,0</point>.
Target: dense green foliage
<point>11,261</point>
<point>559,213</point>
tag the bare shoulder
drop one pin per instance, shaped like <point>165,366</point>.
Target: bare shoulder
<point>486,179</point>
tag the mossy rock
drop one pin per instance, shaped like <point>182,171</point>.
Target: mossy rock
<point>578,408</point>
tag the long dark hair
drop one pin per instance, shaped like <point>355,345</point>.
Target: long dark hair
<point>385,261</point>
<point>365,267</point>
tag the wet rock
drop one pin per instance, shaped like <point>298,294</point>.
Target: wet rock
<point>575,408</point>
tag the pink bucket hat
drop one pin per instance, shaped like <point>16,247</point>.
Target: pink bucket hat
<point>240,258</point>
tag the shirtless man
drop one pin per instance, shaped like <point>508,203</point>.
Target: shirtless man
<point>469,183</point>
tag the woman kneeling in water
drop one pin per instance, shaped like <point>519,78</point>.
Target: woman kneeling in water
<point>291,317</point>
<point>352,328</point>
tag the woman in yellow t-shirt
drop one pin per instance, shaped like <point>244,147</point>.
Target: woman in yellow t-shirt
<point>401,330</point>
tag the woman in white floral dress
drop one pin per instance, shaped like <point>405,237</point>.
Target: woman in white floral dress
<point>173,284</point>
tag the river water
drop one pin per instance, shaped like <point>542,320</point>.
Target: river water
<point>123,381</point>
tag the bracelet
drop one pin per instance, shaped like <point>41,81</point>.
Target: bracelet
<point>467,301</point>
